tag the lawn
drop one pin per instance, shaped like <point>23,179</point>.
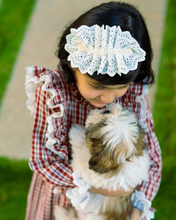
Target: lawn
<point>15,176</point>
<point>164,112</point>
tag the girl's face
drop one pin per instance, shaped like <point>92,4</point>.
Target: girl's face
<point>97,95</point>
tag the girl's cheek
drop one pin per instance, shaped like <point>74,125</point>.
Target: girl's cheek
<point>121,92</point>
<point>91,94</point>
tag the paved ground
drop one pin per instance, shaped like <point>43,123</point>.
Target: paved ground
<point>38,46</point>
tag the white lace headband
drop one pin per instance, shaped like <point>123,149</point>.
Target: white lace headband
<point>105,50</point>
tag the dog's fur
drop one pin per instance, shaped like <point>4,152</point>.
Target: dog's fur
<point>109,153</point>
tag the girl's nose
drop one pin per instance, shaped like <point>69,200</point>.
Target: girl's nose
<point>108,96</point>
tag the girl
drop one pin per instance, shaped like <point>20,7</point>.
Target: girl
<point>105,56</point>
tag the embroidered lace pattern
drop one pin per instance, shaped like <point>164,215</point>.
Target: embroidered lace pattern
<point>107,50</point>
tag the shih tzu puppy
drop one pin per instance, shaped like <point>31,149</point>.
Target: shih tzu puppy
<point>109,153</point>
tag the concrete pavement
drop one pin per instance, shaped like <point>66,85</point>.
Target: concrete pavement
<point>37,48</point>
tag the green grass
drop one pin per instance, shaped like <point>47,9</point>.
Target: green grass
<point>15,177</point>
<point>164,112</point>
<point>14,16</point>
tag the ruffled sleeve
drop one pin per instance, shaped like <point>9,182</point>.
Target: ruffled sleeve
<point>136,100</point>
<point>47,103</point>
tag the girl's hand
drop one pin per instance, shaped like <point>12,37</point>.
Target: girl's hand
<point>135,214</point>
<point>106,192</point>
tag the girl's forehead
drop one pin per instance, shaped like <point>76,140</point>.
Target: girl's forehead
<point>96,83</point>
<point>85,78</point>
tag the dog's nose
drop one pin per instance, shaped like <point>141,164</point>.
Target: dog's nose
<point>106,112</point>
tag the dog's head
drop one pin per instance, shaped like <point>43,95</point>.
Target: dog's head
<point>113,136</point>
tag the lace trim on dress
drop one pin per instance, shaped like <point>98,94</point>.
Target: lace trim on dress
<point>80,195</point>
<point>141,99</point>
<point>139,201</point>
<point>132,97</point>
<point>32,82</point>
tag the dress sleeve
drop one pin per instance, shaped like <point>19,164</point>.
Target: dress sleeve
<point>49,155</point>
<point>135,99</point>
<point>151,187</point>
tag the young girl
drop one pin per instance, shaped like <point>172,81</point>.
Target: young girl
<point>105,56</point>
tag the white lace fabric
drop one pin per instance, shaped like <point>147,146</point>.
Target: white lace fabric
<point>30,86</point>
<point>80,195</point>
<point>139,201</point>
<point>107,50</point>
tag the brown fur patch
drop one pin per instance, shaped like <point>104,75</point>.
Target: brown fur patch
<point>102,159</point>
<point>141,143</point>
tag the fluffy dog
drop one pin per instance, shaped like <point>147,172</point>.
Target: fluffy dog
<point>109,153</point>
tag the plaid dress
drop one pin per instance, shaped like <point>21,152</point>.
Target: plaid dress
<point>56,105</point>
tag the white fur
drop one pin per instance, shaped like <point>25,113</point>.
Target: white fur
<point>61,213</point>
<point>121,130</point>
<point>132,173</point>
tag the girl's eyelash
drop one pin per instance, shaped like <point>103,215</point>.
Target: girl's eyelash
<point>98,88</point>
<point>123,87</point>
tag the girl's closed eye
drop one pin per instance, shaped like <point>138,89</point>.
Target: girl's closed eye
<point>111,87</point>
<point>124,87</point>
<point>98,87</point>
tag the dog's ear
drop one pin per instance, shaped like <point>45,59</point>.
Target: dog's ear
<point>102,160</point>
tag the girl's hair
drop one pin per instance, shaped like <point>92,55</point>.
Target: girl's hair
<point>129,19</point>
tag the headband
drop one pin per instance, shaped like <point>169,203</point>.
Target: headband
<point>107,50</point>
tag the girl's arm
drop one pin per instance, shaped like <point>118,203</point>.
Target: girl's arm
<point>151,187</point>
<point>136,214</point>
<point>53,167</point>
<point>106,192</point>
<point>147,190</point>
<point>49,154</point>
<point>135,99</point>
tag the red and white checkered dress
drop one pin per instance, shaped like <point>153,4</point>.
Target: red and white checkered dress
<point>56,105</point>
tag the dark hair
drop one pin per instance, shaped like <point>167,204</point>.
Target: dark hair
<point>129,19</point>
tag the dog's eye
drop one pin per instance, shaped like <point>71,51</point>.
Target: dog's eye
<point>106,112</point>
